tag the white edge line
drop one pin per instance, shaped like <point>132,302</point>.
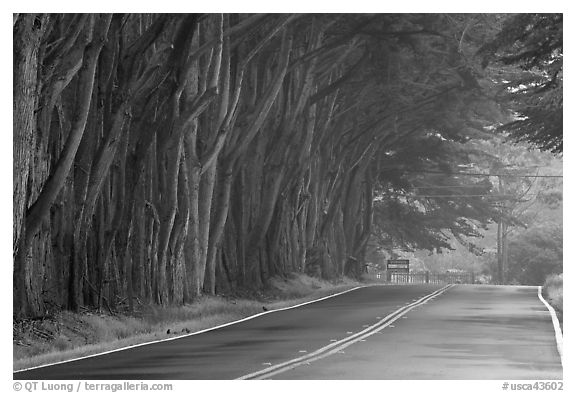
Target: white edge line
<point>332,348</point>
<point>556,323</point>
<point>191,334</point>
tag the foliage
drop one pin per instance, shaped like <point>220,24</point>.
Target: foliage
<point>422,204</point>
<point>534,254</point>
<point>530,82</point>
<point>553,289</point>
<point>159,157</point>
<point>520,200</point>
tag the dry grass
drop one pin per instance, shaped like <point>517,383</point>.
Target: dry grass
<point>68,335</point>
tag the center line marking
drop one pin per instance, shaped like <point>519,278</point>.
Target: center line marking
<point>338,347</point>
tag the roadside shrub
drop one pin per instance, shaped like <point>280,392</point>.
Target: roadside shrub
<point>553,291</point>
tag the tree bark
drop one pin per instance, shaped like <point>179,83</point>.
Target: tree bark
<point>27,36</point>
<point>41,206</point>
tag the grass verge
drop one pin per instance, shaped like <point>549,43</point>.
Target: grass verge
<point>67,335</point>
<point>553,292</point>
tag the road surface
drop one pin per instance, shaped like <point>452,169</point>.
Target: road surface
<point>377,332</point>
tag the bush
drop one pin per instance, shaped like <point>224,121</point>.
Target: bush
<point>553,292</point>
<point>535,254</point>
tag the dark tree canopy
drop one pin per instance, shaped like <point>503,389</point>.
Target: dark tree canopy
<point>528,58</point>
<point>159,157</point>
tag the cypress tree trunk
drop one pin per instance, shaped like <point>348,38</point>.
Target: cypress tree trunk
<point>27,35</point>
<point>205,207</point>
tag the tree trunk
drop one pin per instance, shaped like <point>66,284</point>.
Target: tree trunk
<point>169,205</point>
<point>204,207</point>
<point>41,206</point>
<point>193,262</point>
<point>27,37</point>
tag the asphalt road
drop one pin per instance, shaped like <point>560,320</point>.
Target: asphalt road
<point>378,332</point>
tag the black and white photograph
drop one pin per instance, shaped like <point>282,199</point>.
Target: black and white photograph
<point>286,196</point>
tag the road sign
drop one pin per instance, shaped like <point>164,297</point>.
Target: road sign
<point>398,265</point>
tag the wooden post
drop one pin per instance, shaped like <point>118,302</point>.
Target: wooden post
<point>427,277</point>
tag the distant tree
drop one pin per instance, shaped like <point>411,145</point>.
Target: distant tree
<point>535,254</point>
<point>530,191</point>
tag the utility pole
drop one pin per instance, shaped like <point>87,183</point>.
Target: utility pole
<point>502,239</point>
<point>500,277</point>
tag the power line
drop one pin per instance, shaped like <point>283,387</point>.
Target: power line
<point>456,196</point>
<point>482,174</point>
<point>452,195</point>
<point>454,186</point>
